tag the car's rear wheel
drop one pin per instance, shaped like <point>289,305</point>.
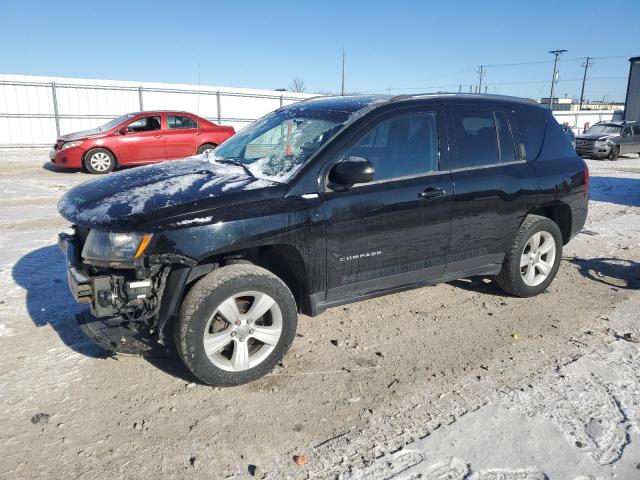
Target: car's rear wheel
<point>533,260</point>
<point>99,161</point>
<point>235,325</point>
<point>615,151</point>
<point>207,149</point>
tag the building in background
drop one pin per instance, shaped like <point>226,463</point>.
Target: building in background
<point>567,104</point>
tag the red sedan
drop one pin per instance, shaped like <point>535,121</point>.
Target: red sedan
<point>138,139</point>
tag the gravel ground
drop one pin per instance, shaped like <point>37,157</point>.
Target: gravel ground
<point>452,381</point>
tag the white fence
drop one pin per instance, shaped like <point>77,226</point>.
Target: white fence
<point>35,110</point>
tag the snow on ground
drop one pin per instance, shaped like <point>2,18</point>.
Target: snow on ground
<point>446,382</point>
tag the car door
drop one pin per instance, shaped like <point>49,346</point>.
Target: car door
<point>393,231</point>
<point>491,182</point>
<point>142,141</point>
<point>181,136</point>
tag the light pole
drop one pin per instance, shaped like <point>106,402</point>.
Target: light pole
<point>557,53</point>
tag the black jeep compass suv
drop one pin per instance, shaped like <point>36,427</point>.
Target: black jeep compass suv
<point>321,203</point>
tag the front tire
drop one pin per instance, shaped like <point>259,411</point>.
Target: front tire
<point>99,161</point>
<point>533,260</point>
<point>613,154</point>
<point>235,325</point>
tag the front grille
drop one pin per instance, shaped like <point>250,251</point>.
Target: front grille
<point>584,143</point>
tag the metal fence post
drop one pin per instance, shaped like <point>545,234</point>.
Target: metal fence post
<point>140,98</point>
<point>281,100</point>
<point>56,116</point>
<point>219,107</point>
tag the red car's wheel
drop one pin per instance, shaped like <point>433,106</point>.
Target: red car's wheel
<point>207,148</point>
<point>99,161</point>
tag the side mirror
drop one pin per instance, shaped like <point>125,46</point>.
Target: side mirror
<point>349,171</point>
<point>124,130</point>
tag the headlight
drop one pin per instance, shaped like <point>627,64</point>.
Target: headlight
<point>112,246</point>
<point>71,144</point>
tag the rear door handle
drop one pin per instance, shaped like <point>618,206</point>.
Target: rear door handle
<point>432,193</point>
<point>158,136</point>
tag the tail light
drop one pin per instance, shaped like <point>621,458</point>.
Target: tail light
<point>586,178</point>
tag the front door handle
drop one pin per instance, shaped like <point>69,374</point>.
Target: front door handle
<point>158,136</point>
<point>432,193</point>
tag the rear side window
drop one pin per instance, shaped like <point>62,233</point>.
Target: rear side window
<point>400,146</point>
<point>174,121</point>
<point>532,123</point>
<point>505,138</point>
<point>476,138</point>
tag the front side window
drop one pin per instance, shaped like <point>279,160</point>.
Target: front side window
<point>145,124</point>
<point>400,146</point>
<point>177,122</point>
<point>278,145</point>
<point>476,139</point>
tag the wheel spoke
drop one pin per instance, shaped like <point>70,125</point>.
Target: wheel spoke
<point>240,357</point>
<point>216,342</point>
<point>535,241</point>
<point>524,260</point>
<point>546,246</point>
<point>530,275</point>
<point>262,303</point>
<point>229,310</point>
<point>544,267</point>
<point>267,335</point>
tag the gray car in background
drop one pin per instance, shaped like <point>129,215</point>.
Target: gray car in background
<point>609,140</point>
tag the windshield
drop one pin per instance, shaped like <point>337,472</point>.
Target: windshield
<point>115,122</point>
<point>604,129</point>
<point>276,146</point>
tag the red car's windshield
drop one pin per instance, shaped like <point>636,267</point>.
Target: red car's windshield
<point>115,122</point>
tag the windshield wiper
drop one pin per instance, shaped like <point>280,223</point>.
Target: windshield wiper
<point>237,163</point>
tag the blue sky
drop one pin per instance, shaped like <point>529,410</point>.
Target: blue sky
<point>399,45</point>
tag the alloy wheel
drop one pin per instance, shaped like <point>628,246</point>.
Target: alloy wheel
<point>243,331</point>
<point>537,259</point>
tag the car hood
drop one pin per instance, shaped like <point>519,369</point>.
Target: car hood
<point>594,137</point>
<point>93,133</point>
<point>162,194</point>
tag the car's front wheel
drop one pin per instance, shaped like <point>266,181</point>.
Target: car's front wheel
<point>533,260</point>
<point>235,325</point>
<point>614,153</point>
<point>99,161</point>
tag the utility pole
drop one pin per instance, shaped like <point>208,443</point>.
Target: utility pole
<point>557,53</point>
<point>481,72</point>
<point>584,80</point>
<point>342,89</point>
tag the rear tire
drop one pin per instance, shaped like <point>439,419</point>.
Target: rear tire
<point>533,260</point>
<point>207,148</point>
<point>613,154</point>
<point>235,325</point>
<point>99,161</point>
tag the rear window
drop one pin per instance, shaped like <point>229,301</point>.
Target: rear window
<point>532,123</point>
